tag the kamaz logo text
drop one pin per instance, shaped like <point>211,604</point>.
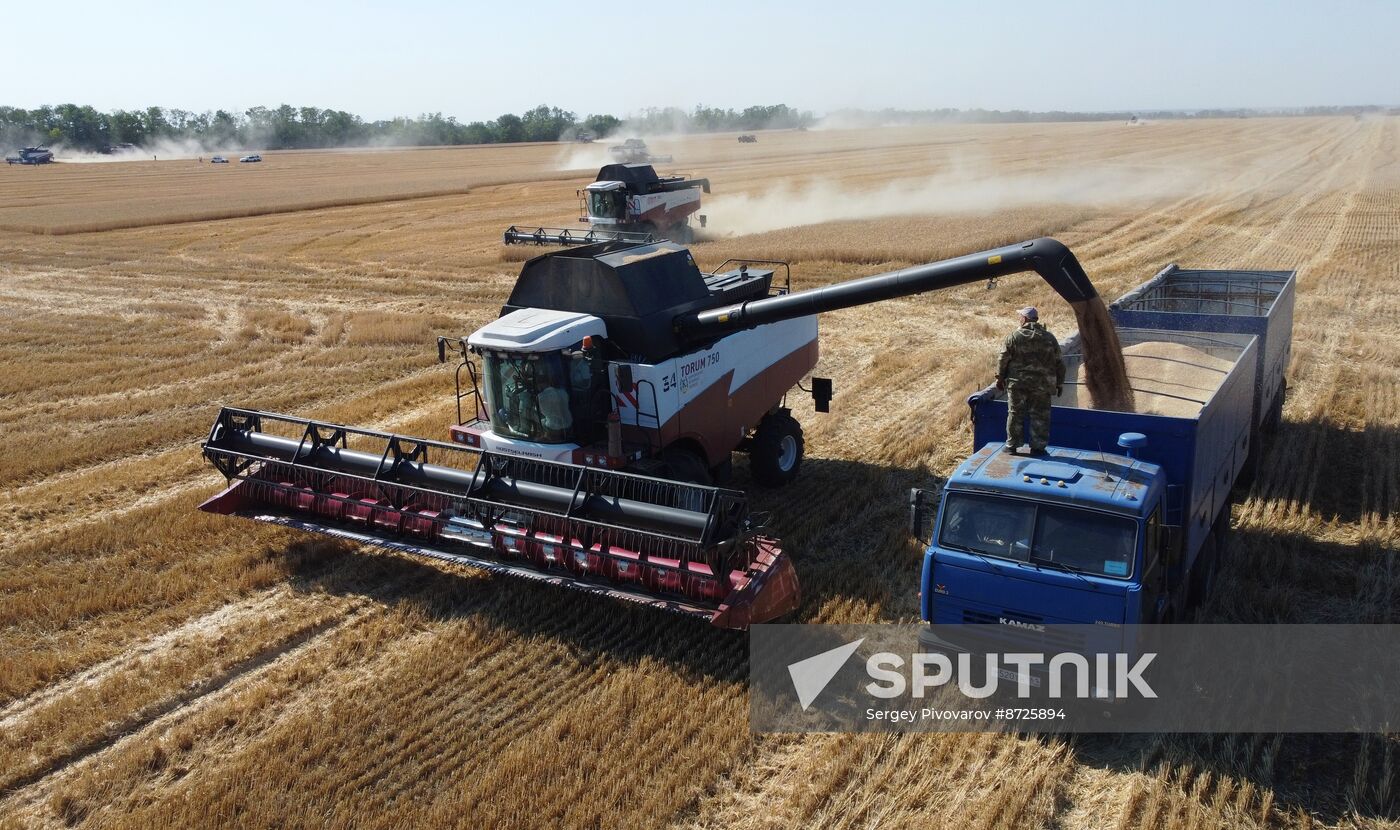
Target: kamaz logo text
<point>1018,624</point>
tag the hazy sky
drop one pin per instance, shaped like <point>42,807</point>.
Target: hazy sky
<point>478,60</point>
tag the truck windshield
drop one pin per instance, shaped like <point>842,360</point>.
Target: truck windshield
<point>529,396</point>
<point>605,204</point>
<point>1024,531</point>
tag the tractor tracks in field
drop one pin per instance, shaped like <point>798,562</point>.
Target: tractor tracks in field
<point>211,624</point>
<point>1188,217</point>
<point>143,718</point>
<point>331,619</point>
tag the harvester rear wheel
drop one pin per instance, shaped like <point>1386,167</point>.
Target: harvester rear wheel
<point>775,453</point>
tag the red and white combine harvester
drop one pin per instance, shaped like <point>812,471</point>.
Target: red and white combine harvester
<point>609,397</point>
<point>626,203</point>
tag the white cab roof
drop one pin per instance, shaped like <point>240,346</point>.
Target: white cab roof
<point>597,186</point>
<point>537,330</point>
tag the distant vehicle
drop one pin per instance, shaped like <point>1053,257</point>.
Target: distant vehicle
<point>112,149</point>
<point>31,155</point>
<point>634,151</point>
<point>747,138</point>
<point>249,159</point>
<point>584,138</point>
<point>219,160</point>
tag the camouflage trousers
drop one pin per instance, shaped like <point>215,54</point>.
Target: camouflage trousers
<point>1028,410</point>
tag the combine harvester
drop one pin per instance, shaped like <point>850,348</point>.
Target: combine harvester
<point>635,151</point>
<point>31,155</point>
<point>614,389</point>
<point>626,203</point>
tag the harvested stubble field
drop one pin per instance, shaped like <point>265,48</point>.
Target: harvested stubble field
<point>160,667</point>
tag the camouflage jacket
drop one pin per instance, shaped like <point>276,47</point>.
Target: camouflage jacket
<point>1032,356</point>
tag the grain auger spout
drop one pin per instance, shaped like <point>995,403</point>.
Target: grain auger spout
<point>674,546</point>
<point>1049,258</point>
<point>1106,376</point>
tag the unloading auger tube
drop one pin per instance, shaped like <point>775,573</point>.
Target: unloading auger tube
<point>676,546</point>
<point>1049,258</point>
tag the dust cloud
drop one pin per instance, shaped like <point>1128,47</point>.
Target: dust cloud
<point>162,149</point>
<point>961,190</point>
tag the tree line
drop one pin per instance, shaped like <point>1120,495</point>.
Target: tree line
<point>286,127</point>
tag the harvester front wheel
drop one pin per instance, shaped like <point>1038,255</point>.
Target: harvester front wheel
<point>684,465</point>
<point>775,453</point>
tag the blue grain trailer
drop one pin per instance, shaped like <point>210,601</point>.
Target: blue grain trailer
<point>1123,521</point>
<point>1227,301</point>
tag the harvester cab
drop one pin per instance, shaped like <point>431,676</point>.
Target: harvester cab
<point>626,203</point>
<point>612,390</point>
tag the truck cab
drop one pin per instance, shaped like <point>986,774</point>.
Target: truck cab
<point>1072,537</point>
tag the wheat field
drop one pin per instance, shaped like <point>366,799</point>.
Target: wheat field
<point>160,667</point>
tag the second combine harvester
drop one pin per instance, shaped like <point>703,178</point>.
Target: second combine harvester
<point>626,203</point>
<point>610,395</point>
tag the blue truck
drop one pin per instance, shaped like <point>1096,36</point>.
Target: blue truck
<point>1125,518</point>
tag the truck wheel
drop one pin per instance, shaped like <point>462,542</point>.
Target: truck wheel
<point>1203,574</point>
<point>1220,534</point>
<point>682,234</point>
<point>1250,469</point>
<point>684,465</point>
<point>775,454</point>
<point>1275,416</point>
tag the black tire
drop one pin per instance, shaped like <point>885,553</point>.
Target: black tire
<point>685,465</point>
<point>1220,534</point>
<point>1203,573</point>
<point>775,453</point>
<point>1275,417</point>
<point>722,472</point>
<point>1250,470</point>
<point>682,234</point>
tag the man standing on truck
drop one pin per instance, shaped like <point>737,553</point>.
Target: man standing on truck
<point>1031,372</point>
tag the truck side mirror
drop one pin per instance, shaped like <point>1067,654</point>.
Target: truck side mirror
<point>821,394</point>
<point>442,350</point>
<point>919,515</point>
